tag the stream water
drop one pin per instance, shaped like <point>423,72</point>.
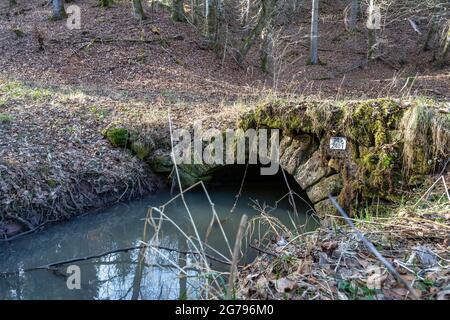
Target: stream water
<point>113,276</point>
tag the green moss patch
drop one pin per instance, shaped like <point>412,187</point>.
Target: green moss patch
<point>118,137</point>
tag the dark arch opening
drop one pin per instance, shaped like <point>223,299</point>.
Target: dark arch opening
<point>251,186</point>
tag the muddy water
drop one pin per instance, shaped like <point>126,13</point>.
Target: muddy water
<point>112,276</point>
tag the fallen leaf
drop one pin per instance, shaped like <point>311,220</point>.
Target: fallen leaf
<point>329,246</point>
<point>284,284</point>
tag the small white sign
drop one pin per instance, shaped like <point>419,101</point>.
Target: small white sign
<point>338,143</point>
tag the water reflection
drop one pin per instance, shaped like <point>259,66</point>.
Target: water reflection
<point>120,275</point>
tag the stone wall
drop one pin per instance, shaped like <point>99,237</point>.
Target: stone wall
<point>390,146</point>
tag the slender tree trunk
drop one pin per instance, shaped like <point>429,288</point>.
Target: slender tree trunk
<point>373,23</point>
<point>138,10</point>
<point>193,4</point>
<point>213,19</point>
<point>268,11</point>
<point>442,59</point>
<point>267,48</point>
<point>371,43</point>
<point>58,10</point>
<point>430,34</point>
<point>178,13</point>
<point>354,14</point>
<point>206,22</point>
<point>249,40</point>
<point>314,32</point>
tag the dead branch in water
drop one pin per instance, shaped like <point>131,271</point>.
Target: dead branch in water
<point>54,265</point>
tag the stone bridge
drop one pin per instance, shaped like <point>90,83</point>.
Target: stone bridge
<point>384,147</point>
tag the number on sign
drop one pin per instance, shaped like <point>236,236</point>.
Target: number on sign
<point>338,143</point>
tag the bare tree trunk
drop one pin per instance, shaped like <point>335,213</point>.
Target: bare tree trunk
<point>354,14</point>
<point>213,19</point>
<point>371,43</point>
<point>138,10</point>
<point>430,34</point>
<point>267,48</point>
<point>250,39</point>
<point>314,32</point>
<point>194,16</point>
<point>373,24</point>
<point>178,13</point>
<point>442,59</point>
<point>58,10</point>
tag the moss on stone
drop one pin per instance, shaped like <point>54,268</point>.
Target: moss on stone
<point>389,140</point>
<point>369,122</point>
<point>160,162</point>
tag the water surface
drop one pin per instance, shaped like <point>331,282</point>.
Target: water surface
<point>112,276</point>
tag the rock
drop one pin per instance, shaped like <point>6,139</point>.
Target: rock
<point>331,185</point>
<point>297,152</point>
<point>312,171</point>
<point>324,208</point>
<point>198,170</point>
<point>425,256</point>
<point>188,180</point>
<point>161,162</point>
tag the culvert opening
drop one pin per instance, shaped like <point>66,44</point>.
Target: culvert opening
<point>241,189</point>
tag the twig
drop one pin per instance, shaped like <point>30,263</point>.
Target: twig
<point>26,232</point>
<point>428,191</point>
<point>236,250</point>
<point>263,250</point>
<point>291,196</point>
<point>414,26</point>
<point>29,225</point>
<point>181,188</point>
<point>240,190</point>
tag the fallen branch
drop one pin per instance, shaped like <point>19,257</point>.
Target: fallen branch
<point>54,265</point>
<point>263,250</point>
<point>372,248</point>
<point>27,232</point>
<point>132,40</point>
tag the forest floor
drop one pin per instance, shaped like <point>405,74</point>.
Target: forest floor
<point>60,88</point>
<point>332,263</point>
<point>106,53</point>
